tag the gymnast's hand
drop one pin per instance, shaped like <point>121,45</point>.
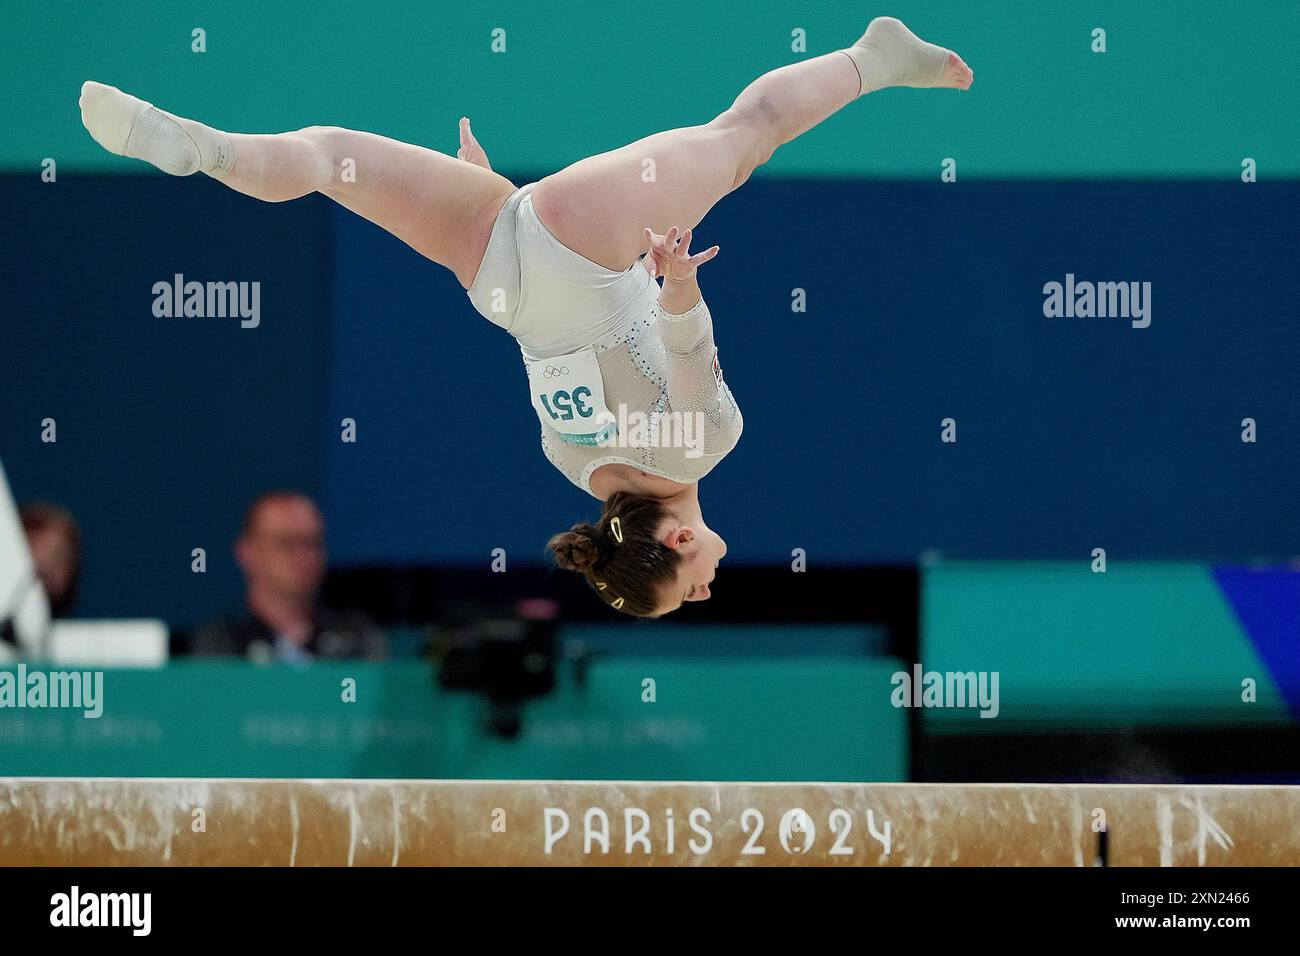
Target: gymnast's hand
<point>670,255</point>
<point>470,150</point>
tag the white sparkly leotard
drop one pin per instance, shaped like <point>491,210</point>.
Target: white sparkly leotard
<point>674,414</point>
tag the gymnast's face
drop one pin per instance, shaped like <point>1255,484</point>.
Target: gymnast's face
<point>701,549</point>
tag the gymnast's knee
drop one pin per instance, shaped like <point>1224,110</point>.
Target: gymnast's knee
<point>327,149</point>
<point>752,132</point>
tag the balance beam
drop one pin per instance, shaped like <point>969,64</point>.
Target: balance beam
<point>227,822</point>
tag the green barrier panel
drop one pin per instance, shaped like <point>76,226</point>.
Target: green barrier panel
<point>712,720</point>
<point>746,641</point>
<point>1139,645</point>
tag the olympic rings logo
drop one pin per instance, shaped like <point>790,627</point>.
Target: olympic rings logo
<point>552,372</point>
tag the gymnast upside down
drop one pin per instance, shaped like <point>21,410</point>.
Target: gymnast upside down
<point>571,267</point>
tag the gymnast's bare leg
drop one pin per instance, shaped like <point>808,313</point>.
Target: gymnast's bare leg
<point>441,207</point>
<point>444,208</point>
<point>600,206</point>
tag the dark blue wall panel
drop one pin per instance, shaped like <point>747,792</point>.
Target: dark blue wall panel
<point>924,301</point>
<point>166,426</point>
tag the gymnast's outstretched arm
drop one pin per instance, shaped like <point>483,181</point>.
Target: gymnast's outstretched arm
<point>686,326</point>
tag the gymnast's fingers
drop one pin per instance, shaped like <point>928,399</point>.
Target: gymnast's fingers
<point>702,257</point>
<point>684,248</point>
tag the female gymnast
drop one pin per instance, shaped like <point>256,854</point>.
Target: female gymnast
<point>569,266</point>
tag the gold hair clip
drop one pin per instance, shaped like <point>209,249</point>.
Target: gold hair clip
<point>616,527</point>
<point>600,586</point>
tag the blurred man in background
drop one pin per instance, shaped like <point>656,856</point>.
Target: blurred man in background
<point>55,543</point>
<point>282,554</point>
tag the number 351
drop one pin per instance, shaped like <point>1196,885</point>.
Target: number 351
<point>562,406</point>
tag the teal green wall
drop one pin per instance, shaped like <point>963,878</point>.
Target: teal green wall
<point>1140,645</point>
<point>1186,88</point>
<point>721,719</point>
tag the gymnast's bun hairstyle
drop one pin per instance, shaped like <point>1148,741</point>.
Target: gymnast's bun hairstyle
<point>621,555</point>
